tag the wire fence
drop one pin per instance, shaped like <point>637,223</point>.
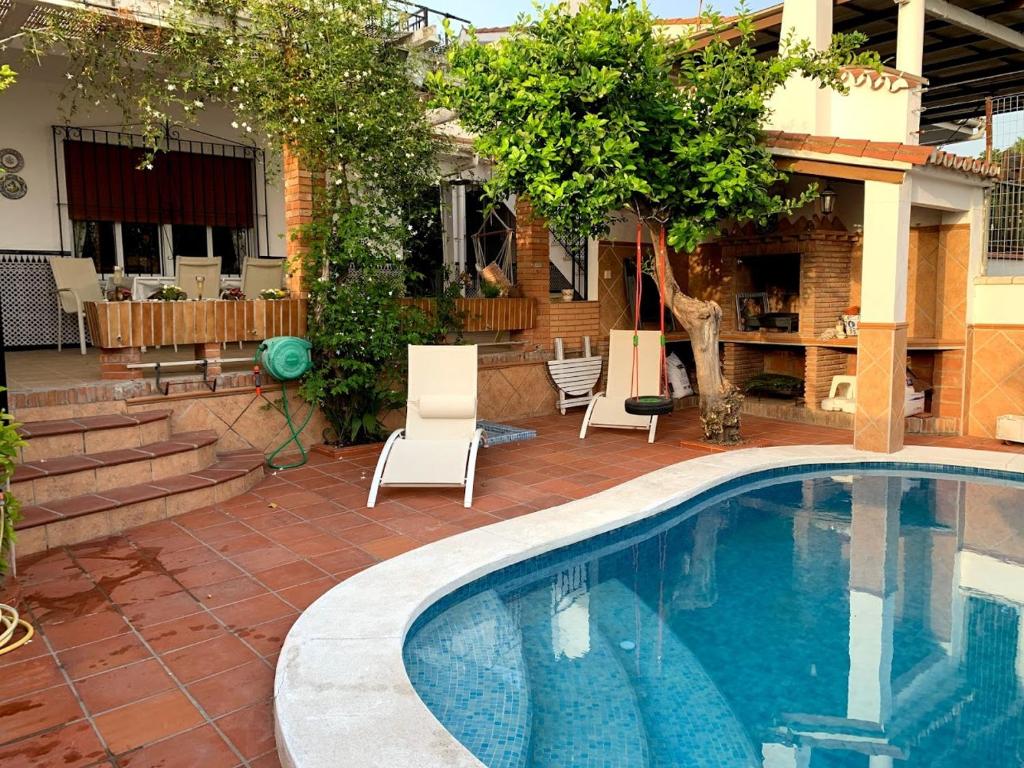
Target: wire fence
<point>1005,145</point>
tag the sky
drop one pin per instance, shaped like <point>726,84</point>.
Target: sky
<point>492,13</point>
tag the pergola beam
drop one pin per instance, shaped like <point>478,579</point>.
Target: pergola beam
<point>942,9</point>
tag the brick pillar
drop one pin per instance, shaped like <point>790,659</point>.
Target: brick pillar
<point>114,362</point>
<point>741,362</point>
<point>533,255</point>
<point>298,212</point>
<point>211,350</point>
<point>824,285</point>
<point>820,365</point>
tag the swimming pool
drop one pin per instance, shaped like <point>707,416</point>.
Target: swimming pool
<point>842,616</point>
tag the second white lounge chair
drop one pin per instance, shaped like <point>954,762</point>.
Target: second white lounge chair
<point>439,444</point>
<point>608,409</point>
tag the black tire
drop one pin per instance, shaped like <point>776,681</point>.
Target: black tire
<point>649,405</point>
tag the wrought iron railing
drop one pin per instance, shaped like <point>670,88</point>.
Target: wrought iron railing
<point>1005,146</point>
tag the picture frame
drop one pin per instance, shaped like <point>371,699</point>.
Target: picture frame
<point>749,308</point>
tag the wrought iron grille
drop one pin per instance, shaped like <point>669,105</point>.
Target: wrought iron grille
<point>1006,203</point>
<point>195,143</point>
<point>576,247</point>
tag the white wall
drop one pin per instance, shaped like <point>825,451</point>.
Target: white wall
<point>29,109</point>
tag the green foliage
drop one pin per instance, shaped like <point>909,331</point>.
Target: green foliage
<point>323,78</point>
<point>594,112</point>
<point>10,441</point>
<point>490,290</point>
<point>7,76</point>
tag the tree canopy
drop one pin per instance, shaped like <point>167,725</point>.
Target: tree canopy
<point>592,112</point>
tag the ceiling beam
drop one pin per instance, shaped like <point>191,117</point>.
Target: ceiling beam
<point>942,9</point>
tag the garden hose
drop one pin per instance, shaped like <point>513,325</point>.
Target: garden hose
<point>286,358</point>
<point>294,438</point>
<point>9,623</point>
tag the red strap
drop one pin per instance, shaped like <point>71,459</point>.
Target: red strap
<point>662,268</point>
<point>637,296</point>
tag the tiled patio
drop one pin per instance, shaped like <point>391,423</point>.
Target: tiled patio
<point>157,647</point>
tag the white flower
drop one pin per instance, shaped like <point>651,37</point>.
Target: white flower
<point>198,103</point>
<point>234,124</point>
<point>171,87</point>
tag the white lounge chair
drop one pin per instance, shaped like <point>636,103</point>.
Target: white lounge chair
<point>608,409</point>
<point>77,283</point>
<point>261,274</point>
<point>191,267</point>
<point>439,444</point>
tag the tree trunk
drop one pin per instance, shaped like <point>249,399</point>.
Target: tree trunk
<point>720,400</point>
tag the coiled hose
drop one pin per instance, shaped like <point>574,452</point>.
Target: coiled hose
<point>9,623</point>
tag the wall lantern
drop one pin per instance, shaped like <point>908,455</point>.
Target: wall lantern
<point>828,200</point>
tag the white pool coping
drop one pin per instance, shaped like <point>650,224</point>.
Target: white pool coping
<point>341,693</point>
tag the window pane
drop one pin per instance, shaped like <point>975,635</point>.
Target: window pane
<point>95,240</point>
<point>141,244</point>
<point>232,245</point>
<point>188,240</point>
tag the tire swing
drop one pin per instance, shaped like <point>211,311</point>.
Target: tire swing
<point>649,405</point>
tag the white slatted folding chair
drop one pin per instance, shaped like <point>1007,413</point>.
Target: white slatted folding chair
<point>77,283</point>
<point>575,377</point>
<point>439,444</point>
<point>608,409</point>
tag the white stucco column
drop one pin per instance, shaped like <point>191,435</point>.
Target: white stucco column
<point>910,37</point>
<point>882,337</point>
<point>874,554</point>
<point>785,756</point>
<point>791,104</point>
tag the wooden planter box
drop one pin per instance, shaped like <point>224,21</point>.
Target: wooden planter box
<point>502,314</point>
<point>124,324</point>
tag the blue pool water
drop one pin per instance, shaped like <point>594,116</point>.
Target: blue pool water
<point>836,618</point>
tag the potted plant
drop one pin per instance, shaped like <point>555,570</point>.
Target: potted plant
<point>169,293</point>
<point>232,294</point>
<point>273,294</point>
<point>490,290</point>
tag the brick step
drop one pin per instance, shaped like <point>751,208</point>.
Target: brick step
<point>43,480</point>
<point>93,515</point>
<point>93,434</point>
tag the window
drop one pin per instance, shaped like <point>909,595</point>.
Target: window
<point>96,240</point>
<point>232,245</point>
<point>140,246</point>
<point>188,240</point>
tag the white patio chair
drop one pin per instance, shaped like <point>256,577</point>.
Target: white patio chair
<point>261,274</point>
<point>608,409</point>
<point>439,444</point>
<point>77,283</point>
<point>191,267</point>
<point>842,395</point>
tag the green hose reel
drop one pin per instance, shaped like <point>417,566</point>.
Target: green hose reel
<point>286,358</point>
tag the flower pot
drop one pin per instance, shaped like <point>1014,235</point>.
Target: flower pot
<point>568,294</point>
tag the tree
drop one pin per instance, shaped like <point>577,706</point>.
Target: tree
<point>592,112</point>
<point>325,79</point>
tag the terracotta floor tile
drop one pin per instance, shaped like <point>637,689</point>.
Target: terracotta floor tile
<point>234,689</point>
<point>180,632</point>
<point>302,596</point>
<point>230,591</point>
<point>146,721</point>
<point>86,629</point>
<point>361,534</point>
<point>71,746</point>
<point>140,590</point>
<point>269,760</point>
<point>251,730</point>
<point>288,575</point>
<point>84,660</point>
<point>262,559</point>
<point>29,676</point>
<point>30,713</point>
<point>211,572</point>
<point>200,747</point>
<point>208,657</point>
<point>185,558</point>
<point>389,546</point>
<point>56,564</point>
<point>254,611</point>
<point>268,638</point>
<point>244,543</point>
<point>161,609</point>
<point>123,685</point>
<point>321,545</point>
<point>343,560</point>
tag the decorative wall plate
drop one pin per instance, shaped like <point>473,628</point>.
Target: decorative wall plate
<point>11,160</point>
<point>12,186</point>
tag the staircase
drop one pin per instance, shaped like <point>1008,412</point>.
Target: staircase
<point>83,478</point>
